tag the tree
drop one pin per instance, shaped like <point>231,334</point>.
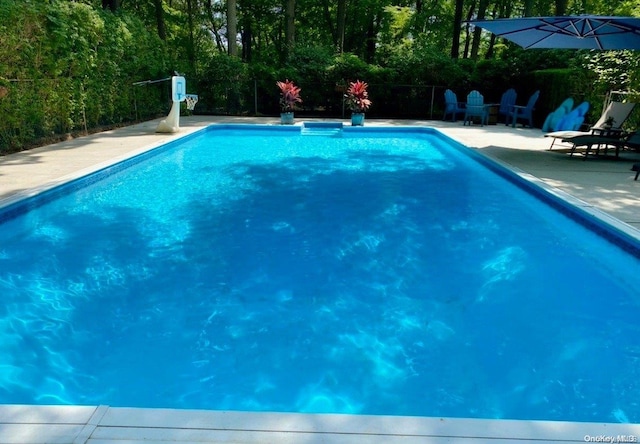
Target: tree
<point>159,12</point>
<point>341,21</point>
<point>457,21</point>
<point>191,44</point>
<point>247,31</point>
<point>232,28</point>
<point>477,32</point>
<point>561,7</point>
<point>290,28</point>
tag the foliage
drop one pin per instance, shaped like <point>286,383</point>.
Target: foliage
<point>490,72</point>
<point>69,67</point>
<point>222,85</point>
<point>357,97</point>
<point>309,63</point>
<point>613,71</point>
<point>559,84</point>
<point>348,66</point>
<point>423,65</point>
<point>289,95</point>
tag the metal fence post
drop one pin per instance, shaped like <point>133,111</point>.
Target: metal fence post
<point>255,96</point>
<point>433,98</point>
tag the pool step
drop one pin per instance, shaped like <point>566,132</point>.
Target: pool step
<point>331,129</point>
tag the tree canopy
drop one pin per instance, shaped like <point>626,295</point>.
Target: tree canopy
<point>67,65</point>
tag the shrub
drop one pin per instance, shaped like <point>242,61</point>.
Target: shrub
<point>224,85</point>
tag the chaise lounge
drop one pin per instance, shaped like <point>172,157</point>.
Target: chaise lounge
<point>609,124</point>
<point>627,141</point>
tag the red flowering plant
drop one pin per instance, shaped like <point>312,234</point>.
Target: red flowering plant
<point>357,97</point>
<point>289,95</point>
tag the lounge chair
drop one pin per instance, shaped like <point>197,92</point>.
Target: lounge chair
<point>609,123</point>
<point>475,107</point>
<point>452,106</point>
<point>524,112</point>
<point>506,103</point>
<point>554,118</point>
<point>626,141</point>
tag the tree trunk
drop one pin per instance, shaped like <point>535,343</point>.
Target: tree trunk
<point>561,7</point>
<point>501,10</point>
<point>477,32</point>
<point>329,22</point>
<point>371,40</point>
<point>247,36</point>
<point>214,29</point>
<point>162,30</point>
<point>191,45</point>
<point>290,29</point>
<point>467,29</point>
<point>457,21</point>
<point>341,20</point>
<point>232,27</point>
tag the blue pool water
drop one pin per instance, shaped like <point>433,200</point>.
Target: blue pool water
<point>376,272</point>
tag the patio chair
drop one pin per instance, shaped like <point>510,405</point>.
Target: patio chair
<point>626,141</point>
<point>475,107</point>
<point>506,103</point>
<point>452,106</point>
<point>552,120</point>
<point>609,124</point>
<point>524,112</point>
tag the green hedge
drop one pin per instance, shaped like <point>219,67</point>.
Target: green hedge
<point>556,85</point>
<point>67,67</point>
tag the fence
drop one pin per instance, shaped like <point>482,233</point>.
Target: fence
<point>34,110</point>
<point>320,100</point>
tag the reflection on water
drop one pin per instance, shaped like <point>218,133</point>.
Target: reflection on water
<point>350,275</point>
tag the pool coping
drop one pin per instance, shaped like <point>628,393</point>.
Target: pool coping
<point>103,424</point>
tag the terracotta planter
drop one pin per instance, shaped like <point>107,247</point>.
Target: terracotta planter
<point>357,119</point>
<point>286,118</point>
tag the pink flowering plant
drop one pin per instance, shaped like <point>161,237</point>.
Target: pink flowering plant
<point>357,97</point>
<point>289,95</point>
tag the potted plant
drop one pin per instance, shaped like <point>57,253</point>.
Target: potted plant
<point>289,97</point>
<point>357,100</point>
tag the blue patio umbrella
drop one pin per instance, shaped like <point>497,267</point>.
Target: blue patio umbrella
<point>568,32</point>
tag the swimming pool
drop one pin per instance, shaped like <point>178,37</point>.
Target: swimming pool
<point>303,273</point>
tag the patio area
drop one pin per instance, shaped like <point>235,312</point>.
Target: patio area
<point>603,186</point>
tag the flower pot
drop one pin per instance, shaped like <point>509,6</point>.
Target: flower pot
<point>357,119</point>
<point>286,118</point>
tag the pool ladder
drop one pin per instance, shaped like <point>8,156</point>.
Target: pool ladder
<point>331,129</point>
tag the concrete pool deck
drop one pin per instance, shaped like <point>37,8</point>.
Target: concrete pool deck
<point>601,184</point>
